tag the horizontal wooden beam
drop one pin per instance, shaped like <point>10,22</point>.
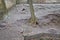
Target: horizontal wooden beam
<point>42,35</point>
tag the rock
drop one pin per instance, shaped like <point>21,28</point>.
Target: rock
<point>52,31</point>
<point>2,24</point>
<point>23,9</point>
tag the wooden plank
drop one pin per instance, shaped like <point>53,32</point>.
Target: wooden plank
<point>43,36</point>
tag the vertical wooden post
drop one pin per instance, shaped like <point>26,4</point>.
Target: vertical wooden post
<point>33,18</point>
<point>2,9</point>
<point>17,1</point>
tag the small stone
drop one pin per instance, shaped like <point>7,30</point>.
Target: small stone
<point>53,31</point>
<point>23,9</point>
<point>2,25</point>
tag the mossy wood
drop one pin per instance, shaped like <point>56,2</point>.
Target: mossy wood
<point>33,19</point>
<point>18,1</point>
<point>43,36</point>
<point>3,9</point>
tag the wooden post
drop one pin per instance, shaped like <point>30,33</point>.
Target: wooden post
<point>42,36</point>
<point>33,19</point>
<point>2,9</point>
<point>17,1</point>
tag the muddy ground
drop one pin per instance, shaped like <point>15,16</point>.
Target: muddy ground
<point>17,25</point>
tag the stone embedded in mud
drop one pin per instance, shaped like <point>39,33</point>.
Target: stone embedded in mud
<point>23,9</point>
<point>52,31</point>
<point>2,24</point>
